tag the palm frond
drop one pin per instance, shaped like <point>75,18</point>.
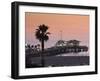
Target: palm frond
<point>41,33</point>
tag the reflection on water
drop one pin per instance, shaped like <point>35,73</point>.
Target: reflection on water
<point>75,54</point>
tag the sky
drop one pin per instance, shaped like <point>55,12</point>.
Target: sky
<point>61,26</point>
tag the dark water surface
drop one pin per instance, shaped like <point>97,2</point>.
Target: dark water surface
<point>55,61</point>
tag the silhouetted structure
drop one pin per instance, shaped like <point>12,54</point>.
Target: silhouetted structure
<point>73,43</point>
<point>60,43</point>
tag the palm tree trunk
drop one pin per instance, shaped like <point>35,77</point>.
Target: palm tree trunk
<point>42,55</point>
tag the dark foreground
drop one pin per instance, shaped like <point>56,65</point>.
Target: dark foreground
<point>57,61</point>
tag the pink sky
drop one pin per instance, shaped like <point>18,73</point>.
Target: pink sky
<point>72,27</point>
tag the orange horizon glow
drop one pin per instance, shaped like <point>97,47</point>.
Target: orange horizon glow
<point>72,27</point>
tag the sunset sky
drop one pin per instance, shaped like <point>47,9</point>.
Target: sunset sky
<point>72,27</point>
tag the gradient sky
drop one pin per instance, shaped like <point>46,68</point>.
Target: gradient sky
<point>72,27</point>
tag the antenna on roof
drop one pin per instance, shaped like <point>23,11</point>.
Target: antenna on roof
<point>61,35</point>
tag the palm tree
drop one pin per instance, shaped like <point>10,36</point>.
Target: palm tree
<point>42,35</point>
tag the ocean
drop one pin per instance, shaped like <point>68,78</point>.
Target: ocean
<point>71,59</point>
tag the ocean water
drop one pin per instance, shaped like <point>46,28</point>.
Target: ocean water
<point>75,54</point>
<point>71,59</point>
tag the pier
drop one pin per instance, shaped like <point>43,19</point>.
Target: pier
<point>57,50</point>
<point>34,55</point>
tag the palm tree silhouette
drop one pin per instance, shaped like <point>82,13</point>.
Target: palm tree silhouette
<point>42,35</point>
